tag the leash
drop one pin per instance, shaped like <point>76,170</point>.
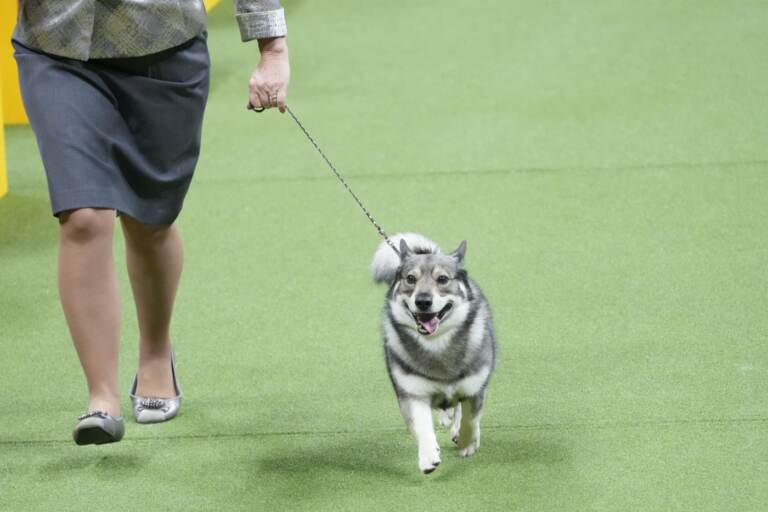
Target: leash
<point>338,175</point>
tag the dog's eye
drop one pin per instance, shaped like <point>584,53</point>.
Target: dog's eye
<point>442,280</point>
<point>410,279</point>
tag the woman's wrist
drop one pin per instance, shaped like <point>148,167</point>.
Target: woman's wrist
<point>273,45</point>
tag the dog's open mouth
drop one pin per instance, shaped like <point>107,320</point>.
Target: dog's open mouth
<point>427,323</point>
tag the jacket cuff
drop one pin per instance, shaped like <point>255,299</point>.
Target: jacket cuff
<point>258,25</point>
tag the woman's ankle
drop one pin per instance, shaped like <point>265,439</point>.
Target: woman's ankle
<point>154,373</point>
<point>154,350</point>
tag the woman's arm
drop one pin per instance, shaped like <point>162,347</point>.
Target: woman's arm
<point>268,86</point>
<point>265,20</point>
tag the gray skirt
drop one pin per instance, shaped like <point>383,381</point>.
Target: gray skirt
<point>118,133</point>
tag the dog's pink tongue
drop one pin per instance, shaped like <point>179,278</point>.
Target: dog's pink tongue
<point>430,325</point>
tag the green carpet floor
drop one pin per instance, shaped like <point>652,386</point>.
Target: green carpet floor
<point>606,161</point>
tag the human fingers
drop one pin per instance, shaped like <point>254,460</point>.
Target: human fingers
<point>282,96</point>
<point>257,93</point>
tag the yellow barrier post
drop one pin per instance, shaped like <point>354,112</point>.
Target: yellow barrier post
<point>11,108</point>
<point>3,174</point>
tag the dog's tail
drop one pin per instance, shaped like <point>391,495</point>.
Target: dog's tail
<point>386,261</point>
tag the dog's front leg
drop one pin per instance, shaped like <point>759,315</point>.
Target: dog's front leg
<point>469,432</point>
<point>418,416</point>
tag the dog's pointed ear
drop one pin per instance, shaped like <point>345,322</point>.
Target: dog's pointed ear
<point>459,253</point>
<point>404,249</point>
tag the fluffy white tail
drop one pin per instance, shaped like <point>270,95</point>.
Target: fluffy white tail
<point>385,262</point>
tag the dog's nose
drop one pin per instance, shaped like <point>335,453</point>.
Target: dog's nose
<point>423,301</point>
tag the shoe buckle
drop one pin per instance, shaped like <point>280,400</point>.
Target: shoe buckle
<point>152,403</point>
<point>91,414</point>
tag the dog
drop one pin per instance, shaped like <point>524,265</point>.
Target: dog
<point>439,342</point>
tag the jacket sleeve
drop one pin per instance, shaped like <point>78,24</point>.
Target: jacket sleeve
<point>260,18</point>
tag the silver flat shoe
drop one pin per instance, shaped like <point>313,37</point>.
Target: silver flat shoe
<point>98,427</point>
<point>156,410</point>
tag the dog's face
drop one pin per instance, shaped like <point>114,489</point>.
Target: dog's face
<point>428,288</point>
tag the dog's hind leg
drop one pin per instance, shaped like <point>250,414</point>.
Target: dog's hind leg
<point>456,424</point>
<point>445,416</point>
<point>418,416</point>
<point>469,432</point>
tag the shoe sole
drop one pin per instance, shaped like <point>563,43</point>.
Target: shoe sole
<point>93,435</point>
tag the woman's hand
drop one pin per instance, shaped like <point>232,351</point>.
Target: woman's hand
<point>268,86</point>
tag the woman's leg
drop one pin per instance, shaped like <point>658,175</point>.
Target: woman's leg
<point>154,255</point>
<point>91,300</point>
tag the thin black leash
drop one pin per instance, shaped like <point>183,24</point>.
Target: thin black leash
<point>341,179</point>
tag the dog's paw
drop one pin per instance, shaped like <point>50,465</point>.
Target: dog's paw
<point>445,417</point>
<point>429,458</point>
<point>455,433</point>
<point>470,449</point>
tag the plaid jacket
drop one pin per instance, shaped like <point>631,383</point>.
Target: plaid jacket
<point>92,29</point>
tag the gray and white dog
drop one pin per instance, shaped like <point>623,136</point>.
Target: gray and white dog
<point>439,342</point>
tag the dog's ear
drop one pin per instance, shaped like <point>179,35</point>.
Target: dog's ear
<point>404,249</point>
<point>459,253</point>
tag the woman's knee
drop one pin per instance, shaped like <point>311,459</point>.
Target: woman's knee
<point>146,236</point>
<point>86,224</point>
